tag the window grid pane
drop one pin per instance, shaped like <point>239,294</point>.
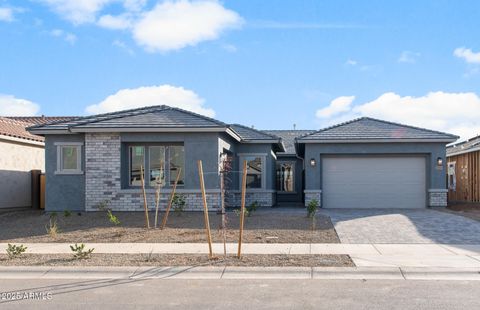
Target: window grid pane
<point>157,165</point>
<point>69,158</point>
<point>177,160</point>
<point>137,160</point>
<point>254,171</point>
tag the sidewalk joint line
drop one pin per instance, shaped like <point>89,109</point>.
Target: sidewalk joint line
<point>444,247</point>
<point>223,271</point>
<point>373,244</point>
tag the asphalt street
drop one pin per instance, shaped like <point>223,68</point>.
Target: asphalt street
<point>238,294</point>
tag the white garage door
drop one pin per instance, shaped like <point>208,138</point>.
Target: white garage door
<point>373,182</point>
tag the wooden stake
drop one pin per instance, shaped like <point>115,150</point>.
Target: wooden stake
<point>172,195</point>
<point>205,208</point>
<point>145,206</point>
<point>242,208</point>
<point>157,195</point>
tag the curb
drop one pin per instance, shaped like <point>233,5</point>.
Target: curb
<point>226,273</point>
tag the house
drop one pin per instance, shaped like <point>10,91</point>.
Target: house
<point>360,164</point>
<point>20,153</point>
<point>463,160</point>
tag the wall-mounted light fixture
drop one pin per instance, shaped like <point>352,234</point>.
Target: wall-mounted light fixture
<point>313,162</point>
<point>439,162</point>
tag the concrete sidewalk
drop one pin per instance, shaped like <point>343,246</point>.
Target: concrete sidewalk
<point>222,272</point>
<point>363,255</point>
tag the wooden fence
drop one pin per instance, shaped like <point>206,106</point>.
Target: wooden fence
<point>467,175</point>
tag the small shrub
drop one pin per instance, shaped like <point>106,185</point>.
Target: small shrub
<point>103,205</point>
<point>79,251</point>
<point>14,251</point>
<point>312,208</point>
<point>67,213</point>
<point>251,208</point>
<point>112,218</point>
<point>149,257</point>
<point>52,226</point>
<point>179,202</point>
<point>239,211</point>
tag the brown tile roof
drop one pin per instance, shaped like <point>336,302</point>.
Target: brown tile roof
<point>40,120</point>
<point>14,128</point>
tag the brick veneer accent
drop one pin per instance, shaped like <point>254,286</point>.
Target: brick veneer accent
<point>437,198</point>
<point>103,180</point>
<point>313,194</point>
<point>263,198</point>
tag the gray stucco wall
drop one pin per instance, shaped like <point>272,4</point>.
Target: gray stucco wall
<point>63,192</point>
<point>435,177</point>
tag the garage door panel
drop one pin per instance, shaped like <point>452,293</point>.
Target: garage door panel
<point>374,182</point>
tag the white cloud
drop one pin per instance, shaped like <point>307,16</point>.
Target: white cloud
<point>338,105</point>
<point>67,36</point>
<point>229,48</point>
<point>457,113</point>
<point>115,22</point>
<point>408,57</point>
<point>467,54</point>
<point>11,106</point>
<point>122,45</point>
<point>152,95</point>
<point>351,62</point>
<point>77,11</point>
<point>174,25</point>
<point>134,5</point>
<point>6,14</point>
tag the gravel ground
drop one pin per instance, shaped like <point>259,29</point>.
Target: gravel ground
<point>268,226</point>
<point>178,260</point>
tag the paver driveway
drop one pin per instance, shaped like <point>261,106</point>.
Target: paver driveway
<point>403,226</point>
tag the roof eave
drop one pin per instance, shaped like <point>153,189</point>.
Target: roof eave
<point>323,141</point>
<point>146,129</point>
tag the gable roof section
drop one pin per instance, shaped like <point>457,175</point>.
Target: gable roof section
<point>288,138</point>
<point>368,129</point>
<point>16,129</point>
<point>471,145</point>
<point>251,135</point>
<point>153,118</point>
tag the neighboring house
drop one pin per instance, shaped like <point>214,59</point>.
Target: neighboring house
<point>464,171</point>
<point>360,164</point>
<point>20,152</point>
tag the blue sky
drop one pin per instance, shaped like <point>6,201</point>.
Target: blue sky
<point>264,63</point>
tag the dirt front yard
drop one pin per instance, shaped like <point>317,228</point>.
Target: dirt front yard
<point>280,260</point>
<point>266,226</point>
<point>470,210</point>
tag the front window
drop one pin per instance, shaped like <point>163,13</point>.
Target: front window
<point>285,177</point>
<point>254,171</point>
<point>160,163</point>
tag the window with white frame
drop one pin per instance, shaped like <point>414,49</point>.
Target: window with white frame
<point>69,158</point>
<point>256,172</point>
